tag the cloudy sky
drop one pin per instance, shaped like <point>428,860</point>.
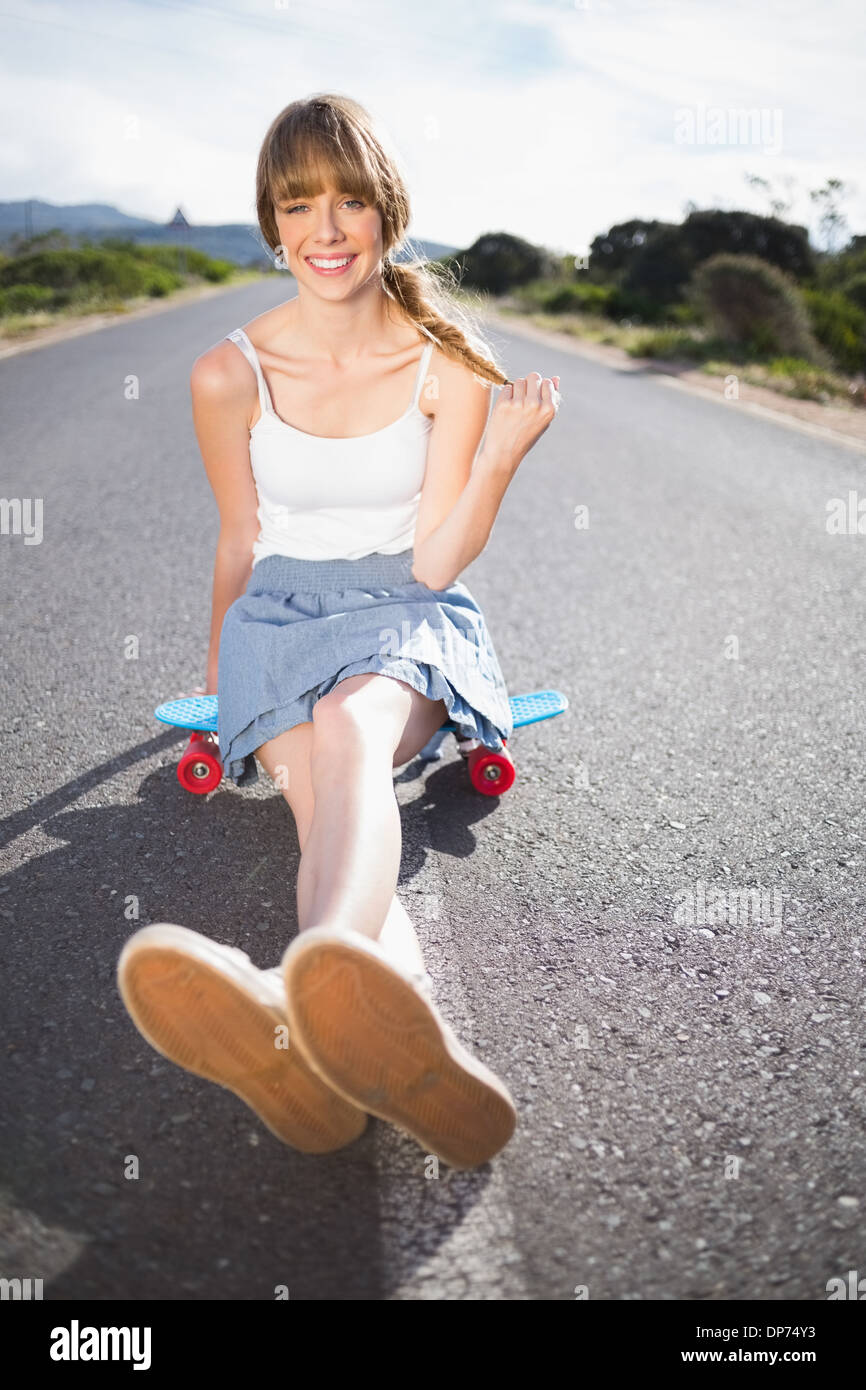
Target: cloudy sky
<point>551,119</point>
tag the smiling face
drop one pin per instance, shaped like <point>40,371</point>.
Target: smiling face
<point>331,242</point>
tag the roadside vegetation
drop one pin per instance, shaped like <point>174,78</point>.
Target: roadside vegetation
<point>46,280</point>
<point>730,292</point>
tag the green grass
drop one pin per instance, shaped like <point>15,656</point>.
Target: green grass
<point>594,328</point>
<point>791,376</point>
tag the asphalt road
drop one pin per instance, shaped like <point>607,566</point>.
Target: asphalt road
<point>690,1085</point>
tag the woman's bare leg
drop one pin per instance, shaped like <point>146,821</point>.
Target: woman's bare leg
<point>336,774</point>
<point>393,1055</point>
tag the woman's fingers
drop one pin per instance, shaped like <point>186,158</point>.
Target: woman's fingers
<point>528,388</point>
<point>525,409</point>
<point>534,387</point>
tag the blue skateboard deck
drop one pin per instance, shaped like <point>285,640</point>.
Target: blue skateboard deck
<point>200,711</point>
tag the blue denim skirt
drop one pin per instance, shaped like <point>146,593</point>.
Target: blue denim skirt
<point>302,626</point>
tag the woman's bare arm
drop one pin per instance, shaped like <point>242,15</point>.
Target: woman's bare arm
<point>462,494</point>
<point>223,396</point>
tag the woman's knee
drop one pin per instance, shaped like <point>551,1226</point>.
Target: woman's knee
<point>373,713</point>
<point>362,713</point>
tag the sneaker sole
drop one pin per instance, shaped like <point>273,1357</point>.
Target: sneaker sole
<point>194,1014</point>
<point>376,1041</point>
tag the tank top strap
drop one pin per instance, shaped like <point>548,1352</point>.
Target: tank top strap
<point>423,366</point>
<point>240,338</point>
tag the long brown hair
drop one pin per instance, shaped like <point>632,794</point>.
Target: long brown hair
<point>329,140</point>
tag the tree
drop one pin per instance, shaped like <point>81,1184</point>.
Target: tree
<point>832,220</point>
<point>614,250</point>
<point>780,205</point>
<point>657,259</point>
<point>498,262</point>
<point>711,232</point>
<point>661,267</point>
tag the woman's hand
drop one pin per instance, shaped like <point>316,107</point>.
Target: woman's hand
<point>522,413</point>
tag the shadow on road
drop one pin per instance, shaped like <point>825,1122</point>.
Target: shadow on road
<point>220,1208</point>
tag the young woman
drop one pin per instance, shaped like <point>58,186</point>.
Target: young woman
<point>340,433</point>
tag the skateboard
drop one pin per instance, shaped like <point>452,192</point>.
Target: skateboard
<point>490,771</point>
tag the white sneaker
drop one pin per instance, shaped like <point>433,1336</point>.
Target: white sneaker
<point>372,1032</point>
<point>206,1007</point>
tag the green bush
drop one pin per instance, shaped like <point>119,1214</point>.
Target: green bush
<point>216,270</point>
<point>116,271</point>
<point>672,343</point>
<point>589,297</point>
<point>103,274</point>
<point>746,301</point>
<point>628,303</point>
<point>576,297</point>
<point>51,268</point>
<point>684,313</point>
<point>161,282</point>
<point>189,260</point>
<point>833,272</point>
<point>855,290</point>
<point>840,325</point>
<point>25,299</point>
<point>167,256</point>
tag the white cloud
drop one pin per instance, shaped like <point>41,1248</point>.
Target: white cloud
<point>548,120</point>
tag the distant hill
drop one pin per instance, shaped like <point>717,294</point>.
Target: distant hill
<point>238,242</point>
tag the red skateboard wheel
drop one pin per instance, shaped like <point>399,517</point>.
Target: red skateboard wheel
<point>490,772</point>
<point>200,769</point>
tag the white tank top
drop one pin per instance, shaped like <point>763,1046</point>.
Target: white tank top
<point>322,498</point>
